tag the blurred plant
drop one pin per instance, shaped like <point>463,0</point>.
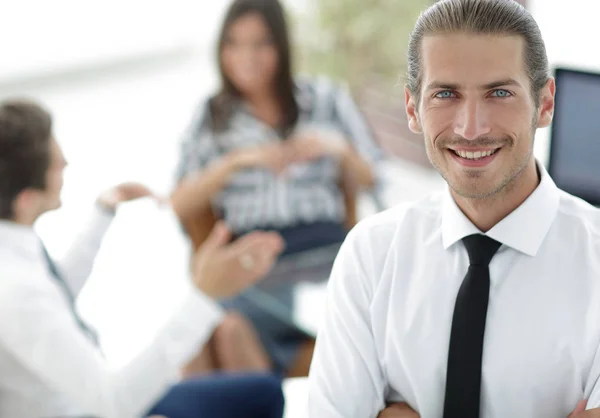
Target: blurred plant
<point>355,40</point>
<point>363,43</point>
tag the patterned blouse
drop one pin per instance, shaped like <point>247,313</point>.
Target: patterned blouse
<point>308,192</point>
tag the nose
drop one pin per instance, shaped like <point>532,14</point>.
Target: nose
<point>472,119</point>
<point>249,51</point>
<point>244,54</point>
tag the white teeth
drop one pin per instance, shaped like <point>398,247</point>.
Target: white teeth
<point>474,155</point>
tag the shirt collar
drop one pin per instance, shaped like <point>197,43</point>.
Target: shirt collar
<point>523,230</point>
<point>20,238</point>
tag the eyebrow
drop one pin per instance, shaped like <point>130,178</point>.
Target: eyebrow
<point>494,84</point>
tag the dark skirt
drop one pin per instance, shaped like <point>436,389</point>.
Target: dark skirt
<point>274,323</point>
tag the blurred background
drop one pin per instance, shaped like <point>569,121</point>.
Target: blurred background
<point>122,78</point>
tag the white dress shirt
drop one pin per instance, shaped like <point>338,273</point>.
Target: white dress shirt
<point>391,298</point>
<point>49,367</point>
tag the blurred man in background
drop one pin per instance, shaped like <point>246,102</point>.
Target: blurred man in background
<point>51,363</point>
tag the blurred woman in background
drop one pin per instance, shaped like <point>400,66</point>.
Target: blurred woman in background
<point>274,153</point>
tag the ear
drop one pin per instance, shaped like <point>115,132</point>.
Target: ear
<point>546,108</point>
<point>411,112</point>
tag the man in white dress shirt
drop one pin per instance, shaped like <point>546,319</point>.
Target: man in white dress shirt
<point>50,361</point>
<point>417,315</point>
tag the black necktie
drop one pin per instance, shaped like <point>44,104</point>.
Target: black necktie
<point>463,381</point>
<point>65,288</point>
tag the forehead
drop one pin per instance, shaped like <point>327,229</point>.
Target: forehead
<point>472,59</point>
<point>250,24</point>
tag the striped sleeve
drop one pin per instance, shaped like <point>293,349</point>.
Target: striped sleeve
<point>354,126</point>
<point>197,145</point>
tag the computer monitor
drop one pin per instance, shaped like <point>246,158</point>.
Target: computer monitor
<point>575,135</point>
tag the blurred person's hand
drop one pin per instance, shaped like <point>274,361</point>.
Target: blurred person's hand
<point>274,156</point>
<point>578,409</point>
<point>124,192</point>
<point>222,270</point>
<point>591,413</point>
<point>398,410</point>
<point>312,145</point>
<point>580,412</point>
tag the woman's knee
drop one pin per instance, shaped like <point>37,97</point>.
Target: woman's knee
<point>233,328</point>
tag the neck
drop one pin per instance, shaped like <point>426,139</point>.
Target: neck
<point>487,212</point>
<point>262,100</point>
<point>24,222</point>
<point>25,219</point>
<point>266,107</point>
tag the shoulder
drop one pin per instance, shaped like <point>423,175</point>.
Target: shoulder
<point>23,282</point>
<point>200,117</point>
<point>203,110</point>
<point>406,220</point>
<point>383,239</point>
<point>576,215</point>
<point>575,235</point>
<point>575,245</point>
<point>199,127</point>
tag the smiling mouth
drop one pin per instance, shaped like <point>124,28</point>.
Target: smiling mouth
<point>474,155</point>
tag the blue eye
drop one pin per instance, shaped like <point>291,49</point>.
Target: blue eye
<point>446,94</point>
<point>501,93</point>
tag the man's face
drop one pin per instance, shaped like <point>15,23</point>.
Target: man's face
<point>476,110</point>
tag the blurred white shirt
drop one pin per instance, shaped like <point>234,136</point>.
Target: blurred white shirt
<point>391,298</point>
<point>49,368</point>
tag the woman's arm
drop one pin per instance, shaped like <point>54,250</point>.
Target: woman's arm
<point>201,171</point>
<point>359,162</point>
<point>357,170</point>
<point>195,191</point>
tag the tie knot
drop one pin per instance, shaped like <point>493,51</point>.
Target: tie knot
<point>481,249</point>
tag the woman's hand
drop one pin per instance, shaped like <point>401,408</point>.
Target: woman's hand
<point>274,156</point>
<point>312,145</point>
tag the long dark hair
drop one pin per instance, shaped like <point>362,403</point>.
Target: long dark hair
<point>222,103</point>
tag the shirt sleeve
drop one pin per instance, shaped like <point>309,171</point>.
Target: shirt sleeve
<point>43,335</point>
<point>346,379</point>
<point>197,145</point>
<point>76,265</point>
